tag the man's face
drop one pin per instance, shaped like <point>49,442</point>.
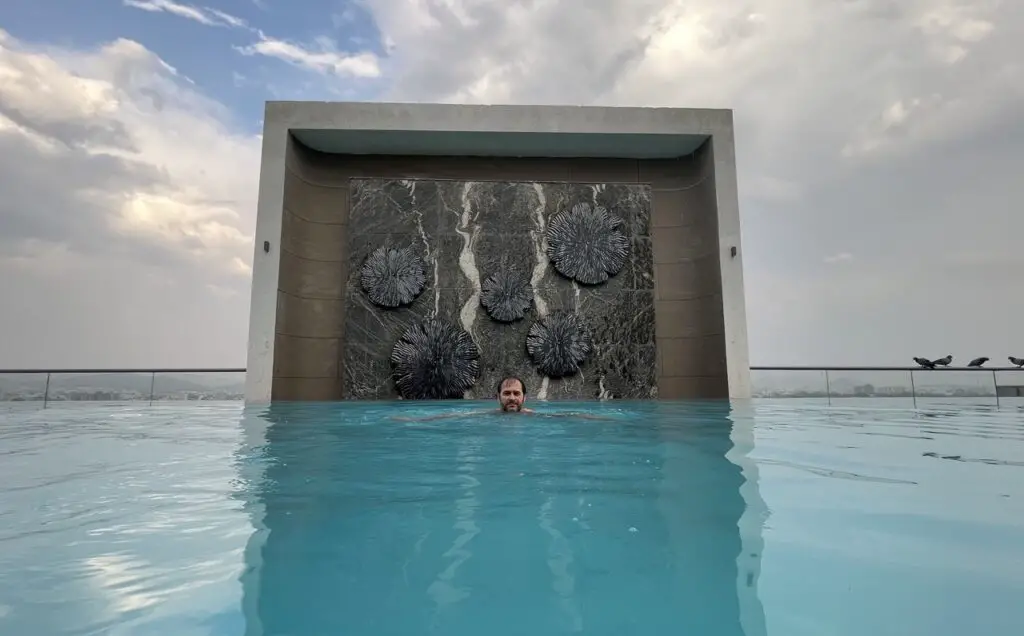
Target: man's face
<point>511,396</point>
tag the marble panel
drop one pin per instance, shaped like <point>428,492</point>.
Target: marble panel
<point>465,232</point>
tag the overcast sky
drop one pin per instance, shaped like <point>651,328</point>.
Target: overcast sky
<point>880,153</point>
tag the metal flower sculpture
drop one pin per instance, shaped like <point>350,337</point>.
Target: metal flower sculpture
<point>559,344</point>
<point>506,294</point>
<point>392,277</point>
<point>435,360</point>
<point>587,244</point>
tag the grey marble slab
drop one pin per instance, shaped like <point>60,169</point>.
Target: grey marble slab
<point>466,231</point>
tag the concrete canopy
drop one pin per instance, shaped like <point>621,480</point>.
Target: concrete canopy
<point>562,133</point>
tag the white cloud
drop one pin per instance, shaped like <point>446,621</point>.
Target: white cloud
<point>770,188</point>
<point>229,19</point>
<point>324,59</point>
<point>885,129</point>
<point>882,128</point>
<point>122,185</point>
<point>956,21</point>
<point>183,220</point>
<point>321,56</point>
<point>202,15</point>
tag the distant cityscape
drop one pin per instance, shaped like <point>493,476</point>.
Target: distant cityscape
<point>869,391</point>
<point>884,384</point>
<point>125,387</point>
<point>117,396</point>
<point>122,387</point>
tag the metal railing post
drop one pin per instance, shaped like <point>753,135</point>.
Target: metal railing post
<point>995,387</point>
<point>913,389</point>
<point>46,391</point>
<point>152,383</point>
<point>828,388</point>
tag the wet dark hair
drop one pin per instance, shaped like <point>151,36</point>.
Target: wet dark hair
<point>506,379</point>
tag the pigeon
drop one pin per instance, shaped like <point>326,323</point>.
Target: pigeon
<point>943,362</point>
<point>925,362</point>
<point>1017,362</point>
<point>977,362</point>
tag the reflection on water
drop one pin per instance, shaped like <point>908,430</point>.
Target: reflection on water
<point>501,524</point>
<point>115,520</point>
<point>914,544</point>
<point>780,519</point>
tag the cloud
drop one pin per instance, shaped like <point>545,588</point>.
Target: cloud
<point>119,181</point>
<point>772,64</point>
<point>882,129</point>
<point>134,148</point>
<point>321,56</point>
<point>841,257</point>
<point>885,129</point>
<point>325,58</point>
<point>202,15</point>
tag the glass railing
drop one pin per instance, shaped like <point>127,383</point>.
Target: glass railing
<point>121,385</point>
<point>993,385</point>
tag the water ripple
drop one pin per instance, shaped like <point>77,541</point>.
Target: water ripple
<point>119,522</point>
<point>335,518</point>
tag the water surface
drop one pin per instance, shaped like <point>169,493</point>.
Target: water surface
<point>773,518</point>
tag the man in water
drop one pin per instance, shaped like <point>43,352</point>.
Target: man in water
<point>512,396</point>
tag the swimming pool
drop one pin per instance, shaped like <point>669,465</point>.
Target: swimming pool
<point>769,518</point>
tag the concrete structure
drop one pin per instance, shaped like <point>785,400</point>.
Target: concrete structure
<point>312,149</point>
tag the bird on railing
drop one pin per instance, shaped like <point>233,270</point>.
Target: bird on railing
<point>924,362</point>
<point>1017,362</point>
<point>977,362</point>
<point>943,362</point>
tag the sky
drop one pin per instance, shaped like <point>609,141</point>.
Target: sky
<point>880,146</point>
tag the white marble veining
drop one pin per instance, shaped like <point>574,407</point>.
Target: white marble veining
<point>540,267</point>
<point>431,253</point>
<point>468,230</point>
<point>540,249</point>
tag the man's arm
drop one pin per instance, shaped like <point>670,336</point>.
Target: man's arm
<point>403,418</point>
<point>585,416</point>
<point>430,418</point>
<point>588,416</point>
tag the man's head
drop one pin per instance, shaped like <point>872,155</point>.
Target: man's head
<point>511,394</point>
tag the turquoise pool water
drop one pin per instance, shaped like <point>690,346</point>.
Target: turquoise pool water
<point>784,519</point>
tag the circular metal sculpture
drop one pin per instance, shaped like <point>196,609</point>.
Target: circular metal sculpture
<point>559,344</point>
<point>506,294</point>
<point>587,244</point>
<point>392,277</point>
<point>435,360</point>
